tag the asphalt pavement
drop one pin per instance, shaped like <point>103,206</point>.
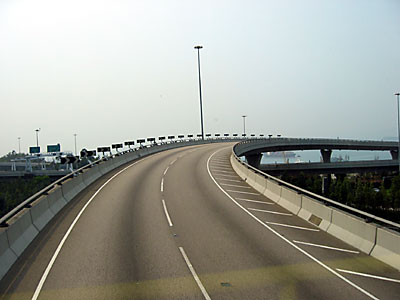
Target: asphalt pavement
<point>182,225</point>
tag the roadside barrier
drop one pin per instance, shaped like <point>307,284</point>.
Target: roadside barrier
<point>366,232</point>
<point>41,213</point>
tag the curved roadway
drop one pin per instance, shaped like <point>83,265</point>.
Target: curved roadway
<point>182,225</point>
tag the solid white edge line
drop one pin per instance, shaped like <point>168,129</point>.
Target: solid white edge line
<point>166,213</point>
<point>235,185</point>
<point>240,192</point>
<point>255,201</point>
<point>270,212</point>
<point>162,184</point>
<point>370,276</point>
<point>285,239</point>
<point>194,274</point>
<point>326,247</point>
<point>292,226</point>
<point>166,170</point>
<point>60,245</point>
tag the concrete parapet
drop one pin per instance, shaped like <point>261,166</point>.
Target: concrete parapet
<point>315,212</point>
<point>72,187</point>
<point>7,256</point>
<point>387,248</point>
<point>273,190</point>
<point>91,175</point>
<point>41,213</point>
<point>21,231</point>
<point>256,181</point>
<point>290,200</point>
<point>353,231</point>
<point>56,199</point>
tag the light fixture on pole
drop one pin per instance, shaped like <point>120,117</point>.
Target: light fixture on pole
<point>76,153</point>
<point>37,136</point>
<point>398,128</point>
<point>201,101</point>
<point>244,125</point>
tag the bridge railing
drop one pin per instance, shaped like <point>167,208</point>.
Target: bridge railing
<point>329,202</point>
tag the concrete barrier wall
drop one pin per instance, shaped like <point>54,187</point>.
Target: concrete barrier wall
<point>387,248</point>
<point>7,256</point>
<point>353,230</point>
<point>315,212</point>
<point>273,190</point>
<point>291,200</point>
<point>367,237</point>
<point>91,175</point>
<point>21,231</point>
<point>41,213</point>
<point>72,187</point>
<point>56,199</point>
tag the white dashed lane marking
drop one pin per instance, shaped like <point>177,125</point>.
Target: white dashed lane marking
<point>270,212</point>
<point>292,226</point>
<point>326,247</point>
<point>369,275</point>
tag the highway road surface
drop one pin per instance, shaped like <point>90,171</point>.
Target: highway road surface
<point>182,225</point>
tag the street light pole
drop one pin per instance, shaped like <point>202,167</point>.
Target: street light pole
<point>398,128</point>
<point>19,145</point>
<point>244,125</point>
<point>76,153</point>
<point>37,136</point>
<point>201,101</point>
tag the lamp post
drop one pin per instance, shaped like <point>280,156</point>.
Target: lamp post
<point>76,153</point>
<point>19,145</point>
<point>37,136</point>
<point>398,128</point>
<point>244,125</point>
<point>201,102</point>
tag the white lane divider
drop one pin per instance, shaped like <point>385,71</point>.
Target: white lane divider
<point>214,167</point>
<point>270,212</point>
<point>292,226</point>
<point>172,162</point>
<point>194,274</point>
<point>166,170</point>
<point>255,201</point>
<point>240,192</point>
<point>222,171</point>
<point>166,213</point>
<point>326,247</point>
<point>224,175</point>
<point>326,267</point>
<point>55,255</point>
<point>162,184</point>
<point>235,185</point>
<point>369,275</point>
<point>230,180</point>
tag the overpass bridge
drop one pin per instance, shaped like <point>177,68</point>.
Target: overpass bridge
<point>344,167</point>
<point>253,149</point>
<point>188,221</point>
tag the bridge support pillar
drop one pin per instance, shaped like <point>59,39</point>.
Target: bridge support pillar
<point>326,155</point>
<point>394,154</point>
<point>254,160</point>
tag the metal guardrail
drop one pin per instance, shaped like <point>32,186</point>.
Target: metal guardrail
<point>364,215</point>
<point>27,203</point>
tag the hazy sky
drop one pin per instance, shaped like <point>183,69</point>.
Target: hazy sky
<point>117,70</point>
